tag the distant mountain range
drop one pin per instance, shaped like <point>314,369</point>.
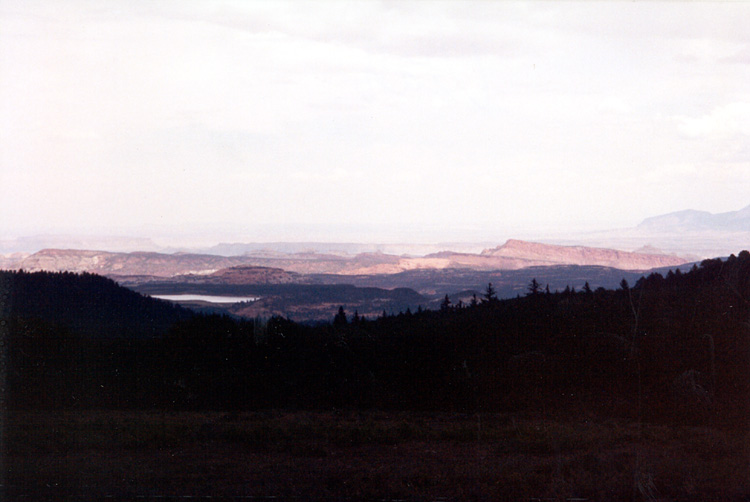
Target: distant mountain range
<point>309,280</point>
<point>512,255</point>
<point>109,263</point>
<point>581,255</point>
<point>690,234</point>
<point>311,286</point>
<point>693,221</point>
<point>34,243</point>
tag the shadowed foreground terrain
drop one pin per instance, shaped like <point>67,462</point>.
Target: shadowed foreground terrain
<point>123,455</point>
<point>638,393</point>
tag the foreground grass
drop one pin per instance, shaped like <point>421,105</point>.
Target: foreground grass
<point>372,455</point>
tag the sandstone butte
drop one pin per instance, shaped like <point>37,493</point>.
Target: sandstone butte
<point>512,255</point>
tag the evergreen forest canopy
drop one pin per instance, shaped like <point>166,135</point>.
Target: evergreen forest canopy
<point>672,347</point>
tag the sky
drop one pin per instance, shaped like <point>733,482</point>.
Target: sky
<point>362,121</point>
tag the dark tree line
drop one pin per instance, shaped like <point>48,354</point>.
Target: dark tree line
<point>673,347</point>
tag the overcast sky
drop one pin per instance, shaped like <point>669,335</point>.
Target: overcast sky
<point>343,121</point>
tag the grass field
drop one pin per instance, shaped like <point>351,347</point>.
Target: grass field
<point>123,455</point>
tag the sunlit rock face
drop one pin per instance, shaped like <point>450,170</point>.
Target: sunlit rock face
<point>286,268</point>
<point>547,254</point>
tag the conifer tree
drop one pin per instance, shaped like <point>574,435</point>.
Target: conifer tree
<point>490,294</point>
<point>340,319</point>
<point>534,287</point>
<point>446,304</point>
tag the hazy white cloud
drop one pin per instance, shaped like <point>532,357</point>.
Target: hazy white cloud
<point>439,115</point>
<point>723,121</point>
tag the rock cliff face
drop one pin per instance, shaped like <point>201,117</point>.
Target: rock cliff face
<point>284,269</point>
<point>169,265</point>
<point>516,254</point>
<point>548,254</point>
<point>9,261</point>
<point>138,263</point>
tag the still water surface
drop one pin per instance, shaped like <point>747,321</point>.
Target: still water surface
<point>206,298</point>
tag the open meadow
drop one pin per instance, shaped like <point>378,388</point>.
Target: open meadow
<point>347,455</point>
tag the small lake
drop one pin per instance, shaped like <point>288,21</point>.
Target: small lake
<point>206,298</point>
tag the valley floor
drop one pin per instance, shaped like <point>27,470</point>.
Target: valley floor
<point>124,455</point>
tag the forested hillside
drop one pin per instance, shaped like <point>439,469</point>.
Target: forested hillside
<point>89,305</point>
<point>667,348</point>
